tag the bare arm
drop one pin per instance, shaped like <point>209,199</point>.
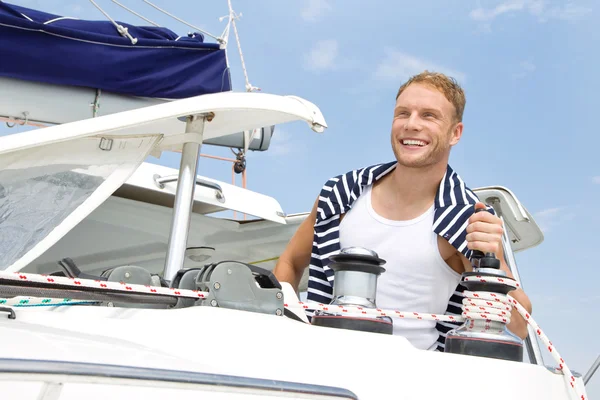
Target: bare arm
<point>296,256</point>
<point>517,324</point>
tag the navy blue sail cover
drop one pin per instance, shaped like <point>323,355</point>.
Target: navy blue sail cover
<point>42,47</point>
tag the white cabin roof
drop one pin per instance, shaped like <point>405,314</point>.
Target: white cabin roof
<point>233,113</point>
<point>142,186</point>
<point>52,179</point>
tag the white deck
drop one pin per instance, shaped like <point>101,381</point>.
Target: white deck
<point>222,341</point>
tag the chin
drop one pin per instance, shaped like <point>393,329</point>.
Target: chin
<point>414,163</point>
<point>410,160</point>
<point>419,160</point>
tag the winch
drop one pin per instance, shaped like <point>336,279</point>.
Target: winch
<point>233,284</point>
<point>483,333</point>
<point>356,271</point>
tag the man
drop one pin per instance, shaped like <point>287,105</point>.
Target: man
<point>415,212</point>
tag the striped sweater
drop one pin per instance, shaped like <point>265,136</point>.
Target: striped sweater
<point>454,204</point>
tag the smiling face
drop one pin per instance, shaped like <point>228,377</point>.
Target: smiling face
<point>425,127</point>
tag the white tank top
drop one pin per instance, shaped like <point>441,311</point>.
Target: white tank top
<point>416,279</point>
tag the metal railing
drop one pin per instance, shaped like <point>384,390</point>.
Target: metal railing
<point>161,180</point>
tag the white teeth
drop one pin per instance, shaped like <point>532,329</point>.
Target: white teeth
<point>414,142</point>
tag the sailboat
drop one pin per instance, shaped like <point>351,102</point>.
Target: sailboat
<point>117,279</point>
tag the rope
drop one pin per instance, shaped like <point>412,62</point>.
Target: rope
<point>265,260</point>
<point>134,13</point>
<point>121,287</point>
<point>39,290</point>
<point>123,31</point>
<point>233,17</point>
<point>379,312</point>
<point>21,122</point>
<point>182,21</point>
<point>562,365</point>
<point>96,103</point>
<point>37,302</point>
<point>485,306</point>
<point>225,35</point>
<point>488,306</point>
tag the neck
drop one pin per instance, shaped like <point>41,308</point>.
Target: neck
<point>415,185</point>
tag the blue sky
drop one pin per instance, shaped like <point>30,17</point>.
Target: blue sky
<point>530,72</point>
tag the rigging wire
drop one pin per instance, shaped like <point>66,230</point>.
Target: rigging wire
<point>134,13</point>
<point>182,21</point>
<point>123,31</point>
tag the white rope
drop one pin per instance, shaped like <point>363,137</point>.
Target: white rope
<point>361,311</point>
<point>77,284</point>
<point>496,307</point>
<point>123,31</point>
<point>562,365</point>
<point>232,18</point>
<point>225,34</point>
<point>134,13</point>
<point>182,21</point>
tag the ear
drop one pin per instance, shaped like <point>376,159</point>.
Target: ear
<point>456,133</point>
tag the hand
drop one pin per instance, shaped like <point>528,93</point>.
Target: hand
<point>484,232</point>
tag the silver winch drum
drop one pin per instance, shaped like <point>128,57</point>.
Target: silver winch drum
<point>477,337</point>
<point>356,271</point>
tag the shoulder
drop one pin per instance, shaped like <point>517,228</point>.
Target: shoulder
<point>358,176</point>
<point>453,192</point>
<point>339,192</point>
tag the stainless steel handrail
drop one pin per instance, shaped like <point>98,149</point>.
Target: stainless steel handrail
<point>161,180</point>
<point>531,344</point>
<point>588,375</point>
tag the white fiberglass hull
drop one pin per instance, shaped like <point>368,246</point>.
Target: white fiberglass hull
<point>250,345</point>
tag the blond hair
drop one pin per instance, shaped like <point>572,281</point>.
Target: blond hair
<point>448,86</point>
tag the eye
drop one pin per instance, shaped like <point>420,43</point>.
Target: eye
<point>428,115</point>
<point>401,114</point>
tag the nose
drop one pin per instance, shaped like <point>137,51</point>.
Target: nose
<point>413,123</point>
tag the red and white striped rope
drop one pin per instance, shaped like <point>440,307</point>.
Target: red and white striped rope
<point>476,305</point>
<point>562,365</point>
<point>484,306</point>
<point>358,311</point>
<point>77,283</point>
<point>493,279</point>
<point>507,299</point>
